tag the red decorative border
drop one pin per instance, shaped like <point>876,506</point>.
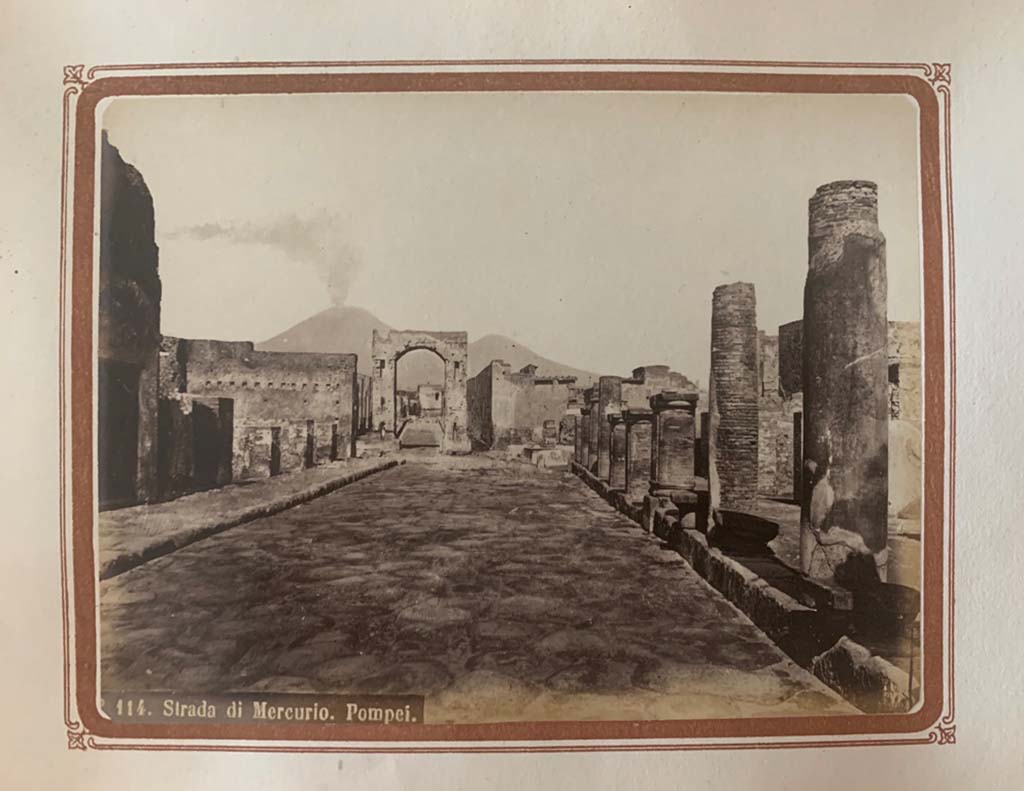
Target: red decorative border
<point>935,724</point>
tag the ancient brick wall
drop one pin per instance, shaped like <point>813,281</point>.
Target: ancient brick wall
<point>650,380</point>
<point>775,422</point>
<point>904,356</point>
<point>195,442</point>
<point>905,427</point>
<point>478,407</point>
<point>791,358</point>
<point>734,395</point>
<point>512,408</point>
<point>364,408</point>
<point>429,399</point>
<point>310,398</point>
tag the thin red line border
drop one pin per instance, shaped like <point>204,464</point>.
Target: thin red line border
<point>929,84</point>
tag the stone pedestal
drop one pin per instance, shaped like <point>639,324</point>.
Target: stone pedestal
<point>609,397</point>
<point>845,384</point>
<point>617,451</point>
<point>639,431</point>
<point>733,394</point>
<point>674,440</point>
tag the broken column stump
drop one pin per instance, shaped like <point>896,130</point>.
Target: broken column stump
<point>639,429</point>
<point>846,408</point>
<point>733,399</point>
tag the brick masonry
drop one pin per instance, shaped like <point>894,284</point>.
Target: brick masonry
<point>733,396</point>
<point>509,407</point>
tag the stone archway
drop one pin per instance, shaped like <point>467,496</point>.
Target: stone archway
<point>452,347</point>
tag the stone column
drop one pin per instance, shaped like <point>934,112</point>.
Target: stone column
<point>592,432</point>
<point>733,399</point>
<point>579,423</point>
<point>639,431</point>
<point>674,440</point>
<point>617,454</point>
<point>701,462</point>
<point>845,384</point>
<point>609,397</point>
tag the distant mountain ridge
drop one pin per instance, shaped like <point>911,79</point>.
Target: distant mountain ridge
<point>350,329</point>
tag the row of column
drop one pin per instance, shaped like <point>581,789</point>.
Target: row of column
<point>844,428</point>
<point>637,450</point>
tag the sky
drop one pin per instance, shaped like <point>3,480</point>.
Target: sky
<point>591,227</point>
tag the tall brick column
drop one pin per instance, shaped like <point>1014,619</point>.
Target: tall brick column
<point>578,423</point>
<point>609,398</point>
<point>617,456</point>
<point>845,382</point>
<point>733,398</point>
<point>674,440</point>
<point>639,431</point>
<point>593,435</point>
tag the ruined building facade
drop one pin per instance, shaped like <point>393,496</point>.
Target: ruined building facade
<point>128,347</point>
<point>177,415</point>
<point>291,409</point>
<point>509,407</point>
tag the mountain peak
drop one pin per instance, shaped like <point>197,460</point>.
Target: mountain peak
<point>347,329</point>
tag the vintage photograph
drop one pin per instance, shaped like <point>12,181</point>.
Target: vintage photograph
<point>508,406</point>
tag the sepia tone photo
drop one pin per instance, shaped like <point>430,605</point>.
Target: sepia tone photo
<point>471,408</point>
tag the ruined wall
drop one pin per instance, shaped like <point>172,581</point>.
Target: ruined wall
<point>195,444</point>
<point>905,426</point>
<point>904,354</point>
<point>429,399</point>
<point>128,340</point>
<point>364,404</point>
<point>310,398</point>
<point>512,408</point>
<point>650,380</point>
<point>775,419</point>
<point>903,347</point>
<point>791,358</point>
<point>478,404</point>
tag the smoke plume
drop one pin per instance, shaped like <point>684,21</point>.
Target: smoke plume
<point>317,241</point>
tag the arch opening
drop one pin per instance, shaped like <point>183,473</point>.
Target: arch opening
<point>419,398</point>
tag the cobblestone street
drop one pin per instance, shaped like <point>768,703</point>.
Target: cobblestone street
<point>498,590</point>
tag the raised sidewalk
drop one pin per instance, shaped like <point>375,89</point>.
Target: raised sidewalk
<point>129,537</point>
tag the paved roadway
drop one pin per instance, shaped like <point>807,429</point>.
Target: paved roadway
<point>499,591</point>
